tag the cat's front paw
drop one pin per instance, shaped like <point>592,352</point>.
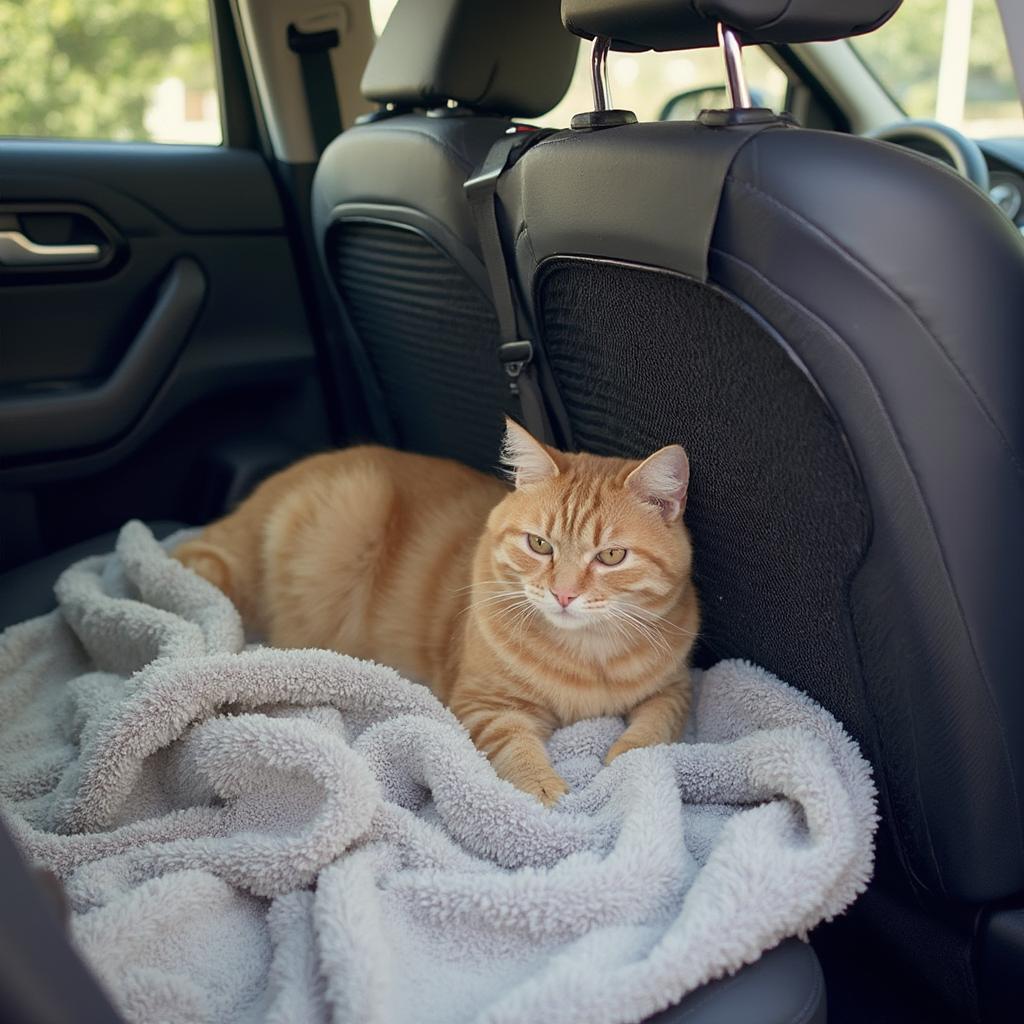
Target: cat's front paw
<point>548,790</point>
<point>624,743</point>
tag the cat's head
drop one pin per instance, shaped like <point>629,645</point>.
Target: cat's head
<point>592,541</point>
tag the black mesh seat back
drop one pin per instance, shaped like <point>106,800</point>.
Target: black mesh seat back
<point>840,379</point>
<point>644,358</point>
<point>430,337</point>
<point>400,251</point>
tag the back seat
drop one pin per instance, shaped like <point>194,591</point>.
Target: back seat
<point>393,225</point>
<point>399,245</point>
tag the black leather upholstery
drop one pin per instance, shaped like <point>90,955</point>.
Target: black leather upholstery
<point>409,162</point>
<point>690,24</point>
<point>27,591</point>
<point>907,317</point>
<point>784,987</point>
<point>394,226</point>
<point>1002,953</point>
<point>397,239</point>
<point>498,58</point>
<point>398,243</point>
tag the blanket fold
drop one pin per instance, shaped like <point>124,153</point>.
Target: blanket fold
<point>248,834</point>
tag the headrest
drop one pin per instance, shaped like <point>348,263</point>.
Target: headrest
<point>691,24</point>
<point>495,56</point>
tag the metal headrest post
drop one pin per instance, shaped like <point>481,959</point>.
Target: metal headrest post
<point>599,73</point>
<point>732,51</point>
<point>603,115</point>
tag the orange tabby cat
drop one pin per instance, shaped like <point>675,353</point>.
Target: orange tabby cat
<point>565,598</point>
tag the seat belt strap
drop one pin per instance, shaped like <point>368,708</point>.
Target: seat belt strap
<point>314,53</point>
<point>517,352</point>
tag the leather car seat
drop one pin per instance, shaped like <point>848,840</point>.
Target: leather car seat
<point>393,225</point>
<point>832,326</point>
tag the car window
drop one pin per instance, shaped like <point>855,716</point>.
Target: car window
<point>130,70</point>
<point>668,86</point>
<point>948,61</point>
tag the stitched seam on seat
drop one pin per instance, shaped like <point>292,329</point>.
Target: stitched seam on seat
<point>856,262</point>
<point>994,705</point>
<point>524,231</point>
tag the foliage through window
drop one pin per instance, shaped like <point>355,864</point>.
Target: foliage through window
<point>948,60</point>
<point>124,70</point>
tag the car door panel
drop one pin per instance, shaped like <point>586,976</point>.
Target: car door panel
<point>130,373</point>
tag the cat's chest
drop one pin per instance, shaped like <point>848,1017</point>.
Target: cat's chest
<point>594,690</point>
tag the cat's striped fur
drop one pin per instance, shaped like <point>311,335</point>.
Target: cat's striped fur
<point>426,565</point>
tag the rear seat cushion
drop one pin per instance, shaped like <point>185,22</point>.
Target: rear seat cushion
<point>27,591</point>
<point>785,986</point>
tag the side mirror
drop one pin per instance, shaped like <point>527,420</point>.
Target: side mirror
<point>685,106</point>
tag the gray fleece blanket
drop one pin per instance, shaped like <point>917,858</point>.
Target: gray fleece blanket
<point>248,834</point>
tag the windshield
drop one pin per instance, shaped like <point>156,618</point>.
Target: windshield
<point>947,60</point>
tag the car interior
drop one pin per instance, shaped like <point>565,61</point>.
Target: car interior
<point>820,297</point>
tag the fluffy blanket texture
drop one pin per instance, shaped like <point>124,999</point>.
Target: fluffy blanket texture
<point>249,834</point>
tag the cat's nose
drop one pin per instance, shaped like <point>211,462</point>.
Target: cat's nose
<point>564,597</point>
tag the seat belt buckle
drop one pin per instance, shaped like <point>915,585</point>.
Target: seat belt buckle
<point>515,356</point>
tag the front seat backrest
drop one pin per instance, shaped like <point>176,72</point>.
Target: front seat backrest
<point>394,227</point>
<point>832,326</point>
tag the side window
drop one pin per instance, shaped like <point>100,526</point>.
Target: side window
<point>672,86</point>
<point>380,11</point>
<point>126,71</point>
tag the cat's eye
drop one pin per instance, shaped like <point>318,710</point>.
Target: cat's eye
<point>539,544</point>
<point>611,556</point>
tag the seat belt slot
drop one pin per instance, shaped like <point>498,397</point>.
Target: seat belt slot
<point>314,52</point>
<point>516,351</point>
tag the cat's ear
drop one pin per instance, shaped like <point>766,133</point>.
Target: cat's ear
<point>528,461</point>
<point>661,480</point>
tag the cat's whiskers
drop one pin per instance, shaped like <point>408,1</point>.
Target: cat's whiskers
<point>493,602</point>
<point>660,620</point>
<point>483,583</point>
<point>490,607</point>
<point>513,620</point>
<point>522,620</point>
<point>650,629</point>
<point>503,604</point>
<point>503,613</point>
<point>491,598</point>
<point>645,630</point>
<point>621,631</point>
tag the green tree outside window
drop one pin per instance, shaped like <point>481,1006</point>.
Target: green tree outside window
<point>87,69</point>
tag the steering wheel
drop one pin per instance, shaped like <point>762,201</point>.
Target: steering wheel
<point>963,152</point>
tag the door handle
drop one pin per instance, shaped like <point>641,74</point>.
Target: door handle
<point>95,415</point>
<point>16,250</point>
